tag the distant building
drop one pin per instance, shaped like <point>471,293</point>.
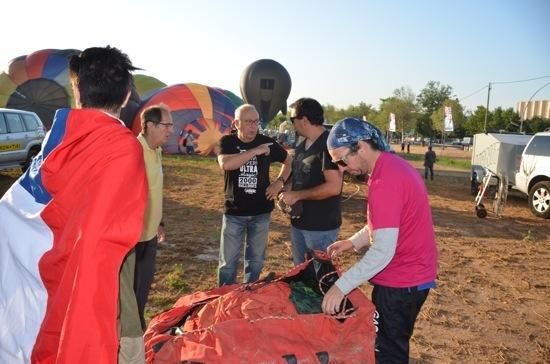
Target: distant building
<point>531,109</point>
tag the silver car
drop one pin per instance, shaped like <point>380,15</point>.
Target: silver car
<point>21,135</point>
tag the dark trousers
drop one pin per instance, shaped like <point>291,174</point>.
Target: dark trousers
<point>397,309</point>
<point>431,170</point>
<point>146,253</point>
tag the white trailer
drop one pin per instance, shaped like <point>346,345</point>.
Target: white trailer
<point>496,158</point>
<point>498,153</point>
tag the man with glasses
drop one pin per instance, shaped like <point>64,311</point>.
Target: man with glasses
<point>401,262</point>
<point>156,127</point>
<point>245,157</point>
<point>316,188</point>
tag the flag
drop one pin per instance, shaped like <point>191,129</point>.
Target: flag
<point>448,119</point>
<point>392,122</point>
<point>67,224</point>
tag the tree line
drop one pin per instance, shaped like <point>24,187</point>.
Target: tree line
<point>423,114</point>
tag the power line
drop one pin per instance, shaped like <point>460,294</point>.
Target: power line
<point>529,79</point>
<point>503,82</point>
<point>527,105</point>
<point>473,93</point>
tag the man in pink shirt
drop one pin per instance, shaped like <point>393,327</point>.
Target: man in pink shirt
<point>401,262</point>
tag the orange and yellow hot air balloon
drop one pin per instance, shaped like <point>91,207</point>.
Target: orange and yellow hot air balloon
<point>207,111</point>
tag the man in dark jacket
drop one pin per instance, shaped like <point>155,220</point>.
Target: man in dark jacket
<point>429,160</point>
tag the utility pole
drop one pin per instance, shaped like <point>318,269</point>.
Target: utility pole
<point>487,109</point>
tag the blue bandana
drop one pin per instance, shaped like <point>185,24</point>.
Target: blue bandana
<point>349,131</point>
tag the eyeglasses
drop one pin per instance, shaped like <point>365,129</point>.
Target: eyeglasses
<point>293,118</point>
<point>166,125</point>
<point>251,121</point>
<point>342,161</point>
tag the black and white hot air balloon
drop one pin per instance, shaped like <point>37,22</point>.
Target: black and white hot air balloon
<point>266,84</point>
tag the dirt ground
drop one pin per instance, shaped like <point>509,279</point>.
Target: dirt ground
<point>492,302</point>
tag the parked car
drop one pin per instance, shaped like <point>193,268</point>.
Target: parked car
<point>21,135</point>
<point>467,141</point>
<point>533,177</point>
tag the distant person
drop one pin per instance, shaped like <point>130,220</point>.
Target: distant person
<point>68,224</point>
<point>156,127</point>
<point>181,142</point>
<point>246,157</point>
<point>401,262</point>
<point>189,139</point>
<point>403,147</point>
<point>429,161</point>
<point>316,183</point>
<point>408,147</point>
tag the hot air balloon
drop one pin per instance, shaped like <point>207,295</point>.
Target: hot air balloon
<point>207,111</point>
<point>129,112</point>
<point>146,85</point>
<point>142,87</point>
<point>266,85</point>
<point>38,82</point>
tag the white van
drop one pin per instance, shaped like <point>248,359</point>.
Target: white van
<point>533,177</point>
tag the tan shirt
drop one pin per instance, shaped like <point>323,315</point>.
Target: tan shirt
<point>153,168</point>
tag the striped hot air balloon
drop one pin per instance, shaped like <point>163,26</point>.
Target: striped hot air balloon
<point>207,111</point>
<point>38,82</point>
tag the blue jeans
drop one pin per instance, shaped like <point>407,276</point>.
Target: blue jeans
<point>302,240</point>
<point>253,230</point>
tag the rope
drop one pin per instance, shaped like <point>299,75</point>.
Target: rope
<point>350,312</point>
<point>358,188</point>
<point>346,314</point>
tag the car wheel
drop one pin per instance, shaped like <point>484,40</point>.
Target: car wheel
<point>32,153</point>
<point>539,199</point>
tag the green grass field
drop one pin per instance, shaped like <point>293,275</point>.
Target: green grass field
<point>451,162</point>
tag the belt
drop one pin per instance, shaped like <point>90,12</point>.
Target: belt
<point>422,287</point>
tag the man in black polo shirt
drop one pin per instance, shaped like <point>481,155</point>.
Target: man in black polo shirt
<point>316,183</point>
<point>245,158</point>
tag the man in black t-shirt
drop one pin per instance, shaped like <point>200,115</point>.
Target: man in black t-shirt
<point>245,158</point>
<point>316,183</point>
<point>429,159</point>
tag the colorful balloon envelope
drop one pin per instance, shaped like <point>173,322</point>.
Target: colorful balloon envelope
<point>207,112</point>
<point>38,82</point>
<point>145,85</point>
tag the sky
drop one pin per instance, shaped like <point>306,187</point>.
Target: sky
<point>339,52</point>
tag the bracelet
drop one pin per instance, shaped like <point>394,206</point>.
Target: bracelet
<point>280,178</point>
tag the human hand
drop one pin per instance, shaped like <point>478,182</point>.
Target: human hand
<point>339,247</point>
<point>161,234</point>
<point>332,300</point>
<point>262,149</point>
<point>273,189</point>
<point>290,197</point>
